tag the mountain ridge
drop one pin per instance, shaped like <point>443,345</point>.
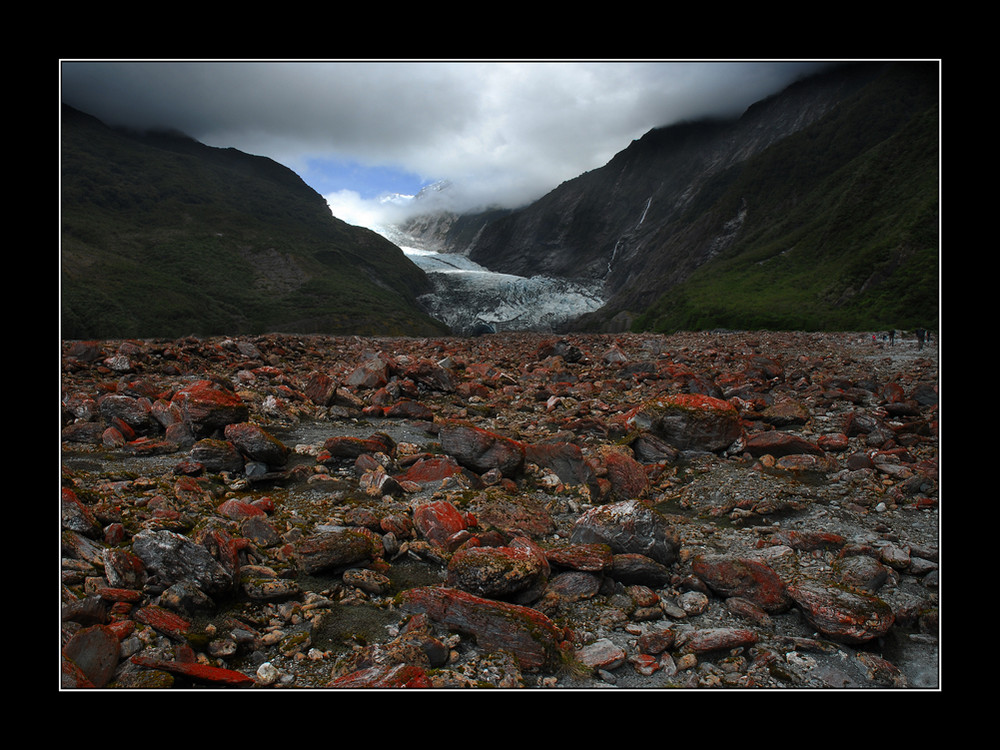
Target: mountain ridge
<point>163,236</point>
<point>667,219</point>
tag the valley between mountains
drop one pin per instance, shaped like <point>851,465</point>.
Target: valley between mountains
<point>649,431</point>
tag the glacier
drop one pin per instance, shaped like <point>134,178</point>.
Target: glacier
<point>466,294</point>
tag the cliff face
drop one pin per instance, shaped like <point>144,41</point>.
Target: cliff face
<point>684,197</point>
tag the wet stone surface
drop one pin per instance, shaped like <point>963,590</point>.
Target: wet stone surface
<point>731,510</point>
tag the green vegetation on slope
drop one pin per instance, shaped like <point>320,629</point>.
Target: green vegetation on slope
<point>841,230</point>
<point>164,237</point>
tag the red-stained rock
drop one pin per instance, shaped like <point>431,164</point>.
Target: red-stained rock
<point>585,557</point>
<point>785,412</point>
<point>482,450</point>
<point>115,534</point>
<point>384,676</point>
<point>801,463</point>
<point>470,389</point>
<point>496,572</point>
<point>759,367</point>
<point>651,449</point>
<point>892,393</point>
<point>109,594</point>
<point>398,524</point>
<point>742,577</point>
<point>689,421</point>
<point>573,585</point>
<point>513,514</point>
<point>173,557</point>
<point>122,629</point>
<point>123,569</point>
<point>626,476</point>
<point>257,443</point>
<point>343,446</point>
<point>779,444</point>
<point>861,572</point>
<point>432,375</point>
<point>217,676</point>
<point>655,642</point>
<point>807,540</point>
<point>714,639</point>
<point>71,676</point>
<point>83,432</point>
<point>628,527</point>
<point>95,651</point>
<point>333,549</point>
<point>409,409</point>
<point>565,459</point>
<point>206,406</point>
<point>432,471</point>
<point>747,610</point>
<point>320,388</point>
<point>531,637</point>
<point>439,520</point>
<point>77,516</point>
<point>127,413</point>
<point>163,620</point>
<point>147,446</point>
<point>372,373</point>
<point>860,460</point>
<point>217,455</point>
<point>634,568</point>
<point>842,614</point>
<point>601,654</point>
<point>112,438</point>
<point>834,443</point>
<point>239,510</point>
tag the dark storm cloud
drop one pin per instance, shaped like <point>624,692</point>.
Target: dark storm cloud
<point>505,131</point>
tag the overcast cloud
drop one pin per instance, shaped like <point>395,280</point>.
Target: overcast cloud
<point>502,132</point>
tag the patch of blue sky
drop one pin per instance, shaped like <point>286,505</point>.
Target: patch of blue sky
<point>327,176</point>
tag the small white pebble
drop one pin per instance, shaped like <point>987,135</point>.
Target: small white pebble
<point>267,673</point>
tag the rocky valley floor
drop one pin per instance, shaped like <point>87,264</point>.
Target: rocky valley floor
<point>741,510</point>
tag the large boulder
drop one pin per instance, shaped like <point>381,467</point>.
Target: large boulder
<point>256,443</point>
<point>173,557</point>
<point>206,406</point>
<point>438,521</point>
<point>95,651</point>
<point>497,572</point>
<point>482,450</point>
<point>135,413</point>
<point>689,421</point>
<point>778,444</point>
<point>566,460</point>
<point>531,637</point>
<point>841,613</point>
<point>742,577</point>
<point>217,455</point>
<point>334,548</point>
<point>628,527</point>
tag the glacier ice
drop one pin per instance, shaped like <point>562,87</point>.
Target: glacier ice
<point>465,293</point>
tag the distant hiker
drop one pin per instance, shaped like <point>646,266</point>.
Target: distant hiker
<point>892,338</point>
<point>920,338</point>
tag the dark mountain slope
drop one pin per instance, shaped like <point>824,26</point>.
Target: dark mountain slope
<point>835,227</point>
<point>164,236</point>
<point>687,198</point>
